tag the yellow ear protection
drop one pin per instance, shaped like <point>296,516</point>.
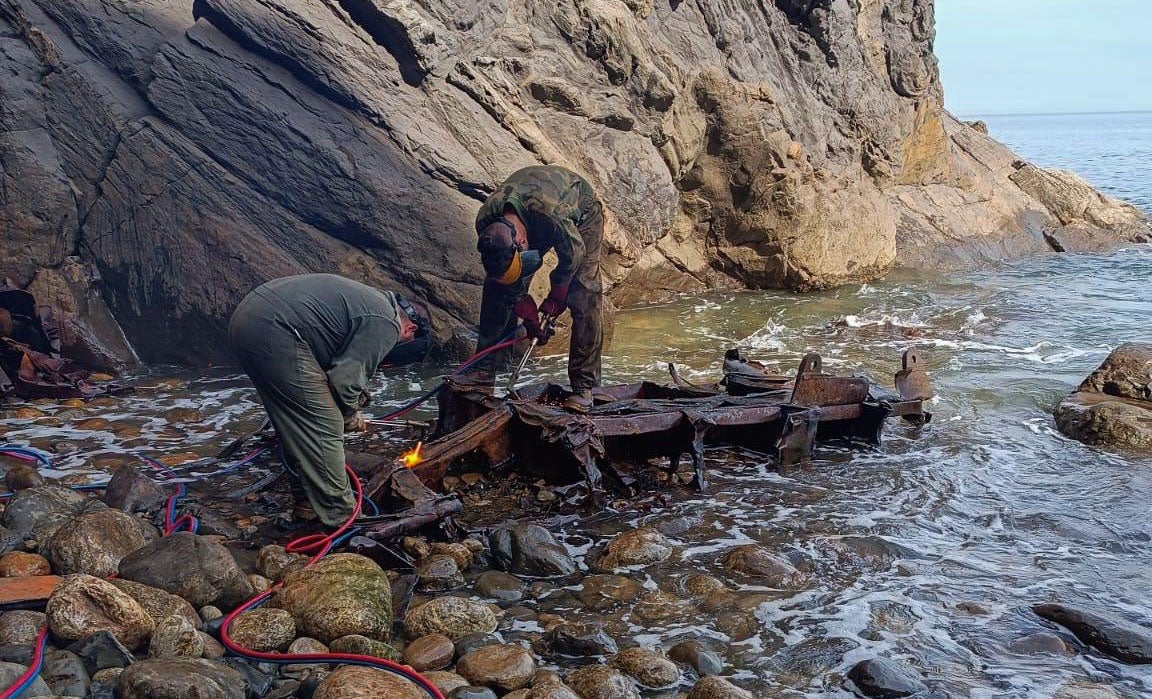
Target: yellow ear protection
<point>523,263</point>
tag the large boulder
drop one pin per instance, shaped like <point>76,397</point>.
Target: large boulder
<point>344,594</point>
<point>132,491</point>
<point>36,513</point>
<point>530,550</point>
<point>81,605</point>
<point>263,630</point>
<point>201,571</point>
<point>95,542</point>
<point>503,667</point>
<point>1113,406</point>
<point>179,679</point>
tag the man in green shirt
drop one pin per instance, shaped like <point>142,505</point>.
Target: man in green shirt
<point>537,209</point>
<point>310,343</point>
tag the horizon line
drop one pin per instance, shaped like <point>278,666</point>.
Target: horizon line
<point>976,115</point>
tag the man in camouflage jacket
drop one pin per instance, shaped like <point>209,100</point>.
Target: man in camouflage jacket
<point>537,209</point>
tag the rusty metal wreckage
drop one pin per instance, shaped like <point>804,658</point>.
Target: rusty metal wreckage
<point>781,415</point>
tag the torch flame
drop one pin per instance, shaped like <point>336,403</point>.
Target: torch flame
<point>413,457</point>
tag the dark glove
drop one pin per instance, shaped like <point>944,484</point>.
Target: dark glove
<point>355,423</point>
<point>525,310</point>
<point>556,302</point>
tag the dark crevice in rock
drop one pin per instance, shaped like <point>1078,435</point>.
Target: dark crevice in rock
<point>389,34</point>
<point>202,9</point>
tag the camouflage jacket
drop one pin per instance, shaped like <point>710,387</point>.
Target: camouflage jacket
<point>551,201</point>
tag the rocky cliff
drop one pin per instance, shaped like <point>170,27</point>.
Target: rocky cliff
<point>187,150</point>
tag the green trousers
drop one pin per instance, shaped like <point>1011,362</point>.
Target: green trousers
<point>294,390</point>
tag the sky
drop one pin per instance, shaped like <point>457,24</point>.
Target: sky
<point>1044,56</point>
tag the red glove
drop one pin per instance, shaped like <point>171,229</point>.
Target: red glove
<point>556,302</point>
<point>525,310</point>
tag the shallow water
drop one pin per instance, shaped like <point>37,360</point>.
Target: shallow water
<point>931,548</point>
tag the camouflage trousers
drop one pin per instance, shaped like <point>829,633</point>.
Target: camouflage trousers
<point>585,303</point>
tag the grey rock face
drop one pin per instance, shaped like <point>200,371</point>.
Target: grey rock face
<point>190,158</point>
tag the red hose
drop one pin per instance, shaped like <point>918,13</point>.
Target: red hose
<point>318,546</point>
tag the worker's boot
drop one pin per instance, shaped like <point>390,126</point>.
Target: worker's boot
<point>579,401</point>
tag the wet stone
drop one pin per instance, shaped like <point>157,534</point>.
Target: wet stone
<point>352,682</point>
<point>459,553</point>
<point>9,540</point>
<point>132,491</point>
<point>603,592</point>
<point>263,630</point>
<point>65,674</point>
<point>698,585</point>
<point>21,627</point>
<point>438,573</point>
<point>101,651</point>
<point>190,566</point>
<point>445,681</point>
<point>158,603</point>
<point>475,640</point>
<point>499,586</point>
<point>640,547</point>
<point>577,641</point>
<point>180,679</point>
<point>472,692</point>
<point>503,667</point>
<point>1087,690</point>
<point>81,605</point>
<point>697,656</point>
<point>883,678</point>
<point>175,637</point>
<point>530,550</point>
<point>18,564</point>
<point>38,513</point>
<point>602,682</point>
<point>343,594</point>
<point>258,680</point>
<point>356,644</point>
<point>306,646</point>
<point>22,477</point>
<point>20,654</point>
<point>647,667</point>
<point>757,562</point>
<point>1041,644</point>
<point>455,617</point>
<point>432,652</point>
<point>104,684</point>
<point>96,542</point>
<point>718,688</point>
<point>10,672</point>
<point>1114,636</point>
<point>212,648</point>
<point>417,547</point>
